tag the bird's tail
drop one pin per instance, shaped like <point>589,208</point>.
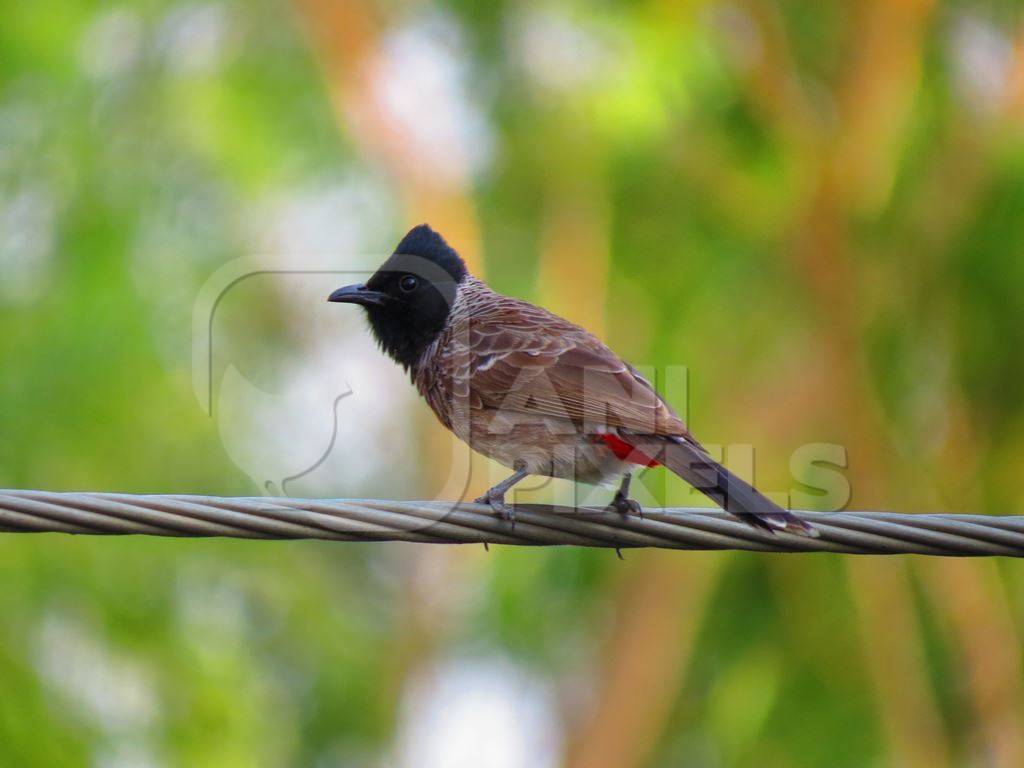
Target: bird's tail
<point>733,494</point>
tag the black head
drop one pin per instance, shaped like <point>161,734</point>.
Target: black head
<point>408,299</point>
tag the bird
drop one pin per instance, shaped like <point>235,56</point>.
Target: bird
<point>532,390</point>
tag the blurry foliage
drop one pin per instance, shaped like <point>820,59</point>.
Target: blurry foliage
<point>144,145</point>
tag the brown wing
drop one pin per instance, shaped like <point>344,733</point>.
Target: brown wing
<point>520,358</point>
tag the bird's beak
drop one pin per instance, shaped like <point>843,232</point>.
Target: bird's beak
<point>358,294</point>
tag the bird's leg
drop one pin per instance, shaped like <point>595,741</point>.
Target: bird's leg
<point>495,497</point>
<point>622,503</point>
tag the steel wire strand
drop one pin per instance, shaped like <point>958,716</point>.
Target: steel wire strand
<point>27,511</point>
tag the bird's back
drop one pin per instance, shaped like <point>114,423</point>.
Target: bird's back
<point>503,353</point>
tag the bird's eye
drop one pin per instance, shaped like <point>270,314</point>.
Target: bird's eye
<point>409,283</point>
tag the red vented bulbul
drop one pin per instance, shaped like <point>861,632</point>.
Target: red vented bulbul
<point>532,390</point>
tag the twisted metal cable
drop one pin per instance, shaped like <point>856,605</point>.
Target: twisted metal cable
<point>864,533</point>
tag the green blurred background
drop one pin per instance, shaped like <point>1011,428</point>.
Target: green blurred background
<point>817,208</point>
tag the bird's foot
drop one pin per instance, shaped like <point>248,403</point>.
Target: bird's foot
<point>496,501</point>
<point>626,506</point>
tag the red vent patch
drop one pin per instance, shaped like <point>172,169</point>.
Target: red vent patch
<point>626,452</point>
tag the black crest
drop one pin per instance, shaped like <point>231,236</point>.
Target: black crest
<point>424,242</point>
<point>413,294</point>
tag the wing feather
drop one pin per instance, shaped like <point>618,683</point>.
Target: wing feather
<point>524,359</point>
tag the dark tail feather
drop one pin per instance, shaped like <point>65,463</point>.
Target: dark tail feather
<point>733,494</point>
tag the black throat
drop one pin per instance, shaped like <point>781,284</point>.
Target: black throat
<point>405,331</point>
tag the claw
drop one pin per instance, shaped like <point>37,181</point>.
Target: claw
<point>500,507</point>
<point>626,506</point>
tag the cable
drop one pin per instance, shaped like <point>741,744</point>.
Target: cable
<point>432,522</point>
